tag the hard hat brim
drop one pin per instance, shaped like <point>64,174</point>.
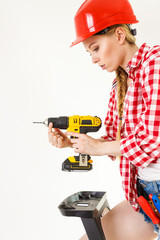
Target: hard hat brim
<point>82,38</point>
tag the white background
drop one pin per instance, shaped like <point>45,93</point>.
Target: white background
<point>41,77</point>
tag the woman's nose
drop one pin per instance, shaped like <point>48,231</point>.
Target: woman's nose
<point>94,59</point>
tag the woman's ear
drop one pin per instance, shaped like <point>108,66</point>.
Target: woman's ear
<point>120,35</point>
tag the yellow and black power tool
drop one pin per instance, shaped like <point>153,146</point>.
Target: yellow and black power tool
<point>77,124</point>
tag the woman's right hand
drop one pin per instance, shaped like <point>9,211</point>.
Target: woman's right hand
<point>57,138</point>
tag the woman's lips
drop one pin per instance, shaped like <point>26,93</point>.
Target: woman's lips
<point>103,67</point>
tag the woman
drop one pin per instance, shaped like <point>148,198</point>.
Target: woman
<point>133,118</point>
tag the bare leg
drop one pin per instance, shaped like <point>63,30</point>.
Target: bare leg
<point>84,237</point>
<point>123,223</point>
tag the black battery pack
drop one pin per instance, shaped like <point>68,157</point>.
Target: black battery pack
<point>71,164</point>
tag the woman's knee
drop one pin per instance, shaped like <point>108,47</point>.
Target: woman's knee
<point>123,223</point>
<point>84,237</point>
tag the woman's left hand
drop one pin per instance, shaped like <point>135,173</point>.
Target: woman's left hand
<point>85,144</point>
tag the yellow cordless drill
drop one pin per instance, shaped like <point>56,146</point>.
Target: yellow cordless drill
<point>77,124</point>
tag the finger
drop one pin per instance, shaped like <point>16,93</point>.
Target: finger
<point>50,127</point>
<point>74,140</point>
<point>55,133</point>
<point>73,134</point>
<point>76,150</point>
<point>54,141</point>
<point>60,132</point>
<point>56,130</point>
<point>50,136</point>
<point>60,142</point>
<point>75,145</point>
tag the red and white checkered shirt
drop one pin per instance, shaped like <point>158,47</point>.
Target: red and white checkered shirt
<point>140,132</point>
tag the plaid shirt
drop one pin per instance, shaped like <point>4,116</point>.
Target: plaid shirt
<point>140,132</point>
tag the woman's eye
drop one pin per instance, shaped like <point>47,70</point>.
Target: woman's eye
<point>96,49</point>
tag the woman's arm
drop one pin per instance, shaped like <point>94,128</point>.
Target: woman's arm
<point>95,147</point>
<point>101,139</point>
<point>111,148</point>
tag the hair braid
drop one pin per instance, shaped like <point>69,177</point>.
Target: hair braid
<point>121,74</point>
<point>121,92</point>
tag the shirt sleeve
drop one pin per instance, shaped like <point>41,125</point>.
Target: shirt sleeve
<point>143,145</point>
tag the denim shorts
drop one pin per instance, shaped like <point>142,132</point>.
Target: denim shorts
<point>152,187</point>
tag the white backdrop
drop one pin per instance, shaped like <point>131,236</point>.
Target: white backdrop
<point>42,77</point>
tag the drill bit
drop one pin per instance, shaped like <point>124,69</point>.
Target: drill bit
<point>39,122</point>
<point>45,122</point>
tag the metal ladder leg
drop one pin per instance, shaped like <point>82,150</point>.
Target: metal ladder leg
<point>93,228</point>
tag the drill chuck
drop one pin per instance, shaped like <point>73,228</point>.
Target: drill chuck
<point>60,122</point>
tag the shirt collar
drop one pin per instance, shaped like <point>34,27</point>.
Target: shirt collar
<point>137,58</point>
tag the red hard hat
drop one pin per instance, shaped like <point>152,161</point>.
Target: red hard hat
<point>96,15</point>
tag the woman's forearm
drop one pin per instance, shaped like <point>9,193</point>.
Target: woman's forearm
<point>95,147</point>
<point>101,139</point>
<point>111,148</point>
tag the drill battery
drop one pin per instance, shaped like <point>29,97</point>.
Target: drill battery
<point>71,164</point>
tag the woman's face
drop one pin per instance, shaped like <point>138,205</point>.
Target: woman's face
<point>106,51</point>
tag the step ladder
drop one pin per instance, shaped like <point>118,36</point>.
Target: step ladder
<point>89,206</point>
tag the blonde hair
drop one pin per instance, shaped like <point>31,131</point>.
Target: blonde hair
<point>121,75</point>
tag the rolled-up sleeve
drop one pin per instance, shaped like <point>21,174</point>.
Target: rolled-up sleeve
<point>142,146</point>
